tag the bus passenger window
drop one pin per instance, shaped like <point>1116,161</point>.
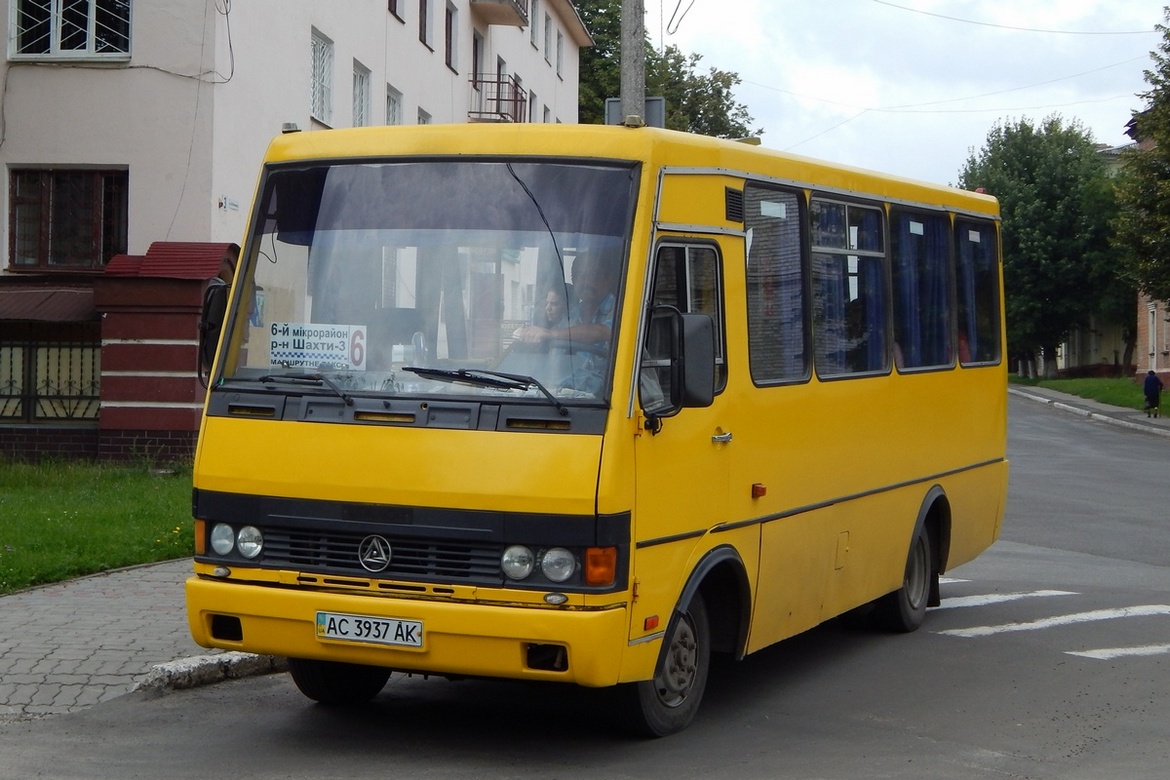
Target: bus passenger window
<point>777,349</point>
<point>849,289</point>
<point>978,292</point>
<point>921,273</point>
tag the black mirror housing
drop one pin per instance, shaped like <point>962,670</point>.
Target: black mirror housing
<point>215,299</point>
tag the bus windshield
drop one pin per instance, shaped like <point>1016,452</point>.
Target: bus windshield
<point>479,278</point>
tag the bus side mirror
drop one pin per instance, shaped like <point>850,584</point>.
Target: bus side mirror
<point>215,298</point>
<point>678,364</point>
<point>694,382</point>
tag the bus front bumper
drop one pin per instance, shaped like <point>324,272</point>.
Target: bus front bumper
<point>457,638</point>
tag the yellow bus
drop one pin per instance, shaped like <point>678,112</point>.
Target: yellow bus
<point>587,405</point>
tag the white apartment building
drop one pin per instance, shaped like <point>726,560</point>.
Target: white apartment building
<point>127,125</point>
<point>162,108</point>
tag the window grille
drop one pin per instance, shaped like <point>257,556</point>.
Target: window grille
<point>67,217</point>
<point>321,89</point>
<point>69,29</point>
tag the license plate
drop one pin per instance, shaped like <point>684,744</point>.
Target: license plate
<point>373,630</point>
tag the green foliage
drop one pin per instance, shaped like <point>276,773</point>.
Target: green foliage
<point>63,520</point>
<point>1143,223</point>
<point>1057,204</point>
<point>696,102</point>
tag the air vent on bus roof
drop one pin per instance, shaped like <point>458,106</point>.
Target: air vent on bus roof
<point>734,205</point>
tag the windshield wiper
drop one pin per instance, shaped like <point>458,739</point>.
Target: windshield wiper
<point>484,378</point>
<point>318,379</point>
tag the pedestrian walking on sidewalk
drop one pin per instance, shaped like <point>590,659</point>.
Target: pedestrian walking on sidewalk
<point>1152,387</point>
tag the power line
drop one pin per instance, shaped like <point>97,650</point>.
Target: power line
<point>1017,29</point>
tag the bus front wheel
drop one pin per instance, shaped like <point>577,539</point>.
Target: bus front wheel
<point>904,610</point>
<point>331,682</point>
<point>668,703</point>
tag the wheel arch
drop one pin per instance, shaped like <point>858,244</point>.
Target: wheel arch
<point>934,515</point>
<point>722,579</point>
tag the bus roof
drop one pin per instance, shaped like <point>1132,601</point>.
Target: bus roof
<point>656,147</point>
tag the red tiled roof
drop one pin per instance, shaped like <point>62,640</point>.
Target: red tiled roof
<point>175,260</point>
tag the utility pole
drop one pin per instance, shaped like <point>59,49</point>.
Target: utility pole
<point>633,62</point>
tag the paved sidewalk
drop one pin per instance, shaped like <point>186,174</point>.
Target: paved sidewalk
<point>69,646</point>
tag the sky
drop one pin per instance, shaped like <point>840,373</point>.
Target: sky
<point>912,87</point>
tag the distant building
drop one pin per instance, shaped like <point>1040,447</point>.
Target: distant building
<point>1153,317</point>
<point>130,139</point>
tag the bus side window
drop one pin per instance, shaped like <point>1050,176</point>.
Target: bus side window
<point>849,289</point>
<point>977,280</point>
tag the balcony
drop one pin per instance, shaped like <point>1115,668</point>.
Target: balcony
<point>505,12</point>
<point>497,98</point>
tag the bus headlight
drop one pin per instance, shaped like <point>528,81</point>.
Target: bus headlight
<point>517,562</point>
<point>223,538</point>
<point>250,541</point>
<point>558,564</point>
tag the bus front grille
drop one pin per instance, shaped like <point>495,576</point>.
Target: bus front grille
<point>410,559</point>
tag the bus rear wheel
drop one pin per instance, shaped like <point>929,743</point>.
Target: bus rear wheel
<point>331,682</point>
<point>904,610</point>
<point>668,703</point>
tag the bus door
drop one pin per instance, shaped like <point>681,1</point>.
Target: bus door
<point>682,468</point>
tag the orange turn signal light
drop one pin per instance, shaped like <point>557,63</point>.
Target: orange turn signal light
<point>600,565</point>
<point>200,537</point>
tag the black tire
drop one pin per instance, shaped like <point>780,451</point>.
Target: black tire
<point>668,703</point>
<point>904,610</point>
<point>330,682</point>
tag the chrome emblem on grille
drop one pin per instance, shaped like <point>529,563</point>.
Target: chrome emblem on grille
<point>374,553</point>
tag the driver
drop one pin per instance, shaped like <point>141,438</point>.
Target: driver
<point>591,319</point>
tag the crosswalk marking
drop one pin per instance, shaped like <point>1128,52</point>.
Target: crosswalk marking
<point>1106,654</point>
<point>1145,610</point>
<point>999,598</point>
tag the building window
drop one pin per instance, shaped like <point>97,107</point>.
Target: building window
<point>532,27</point>
<point>69,29</point>
<point>547,115</point>
<point>393,106</point>
<point>321,87</point>
<point>451,38</point>
<point>361,95</point>
<point>67,218</point>
<point>476,59</point>
<point>560,54</point>
<point>547,38</point>
<point>532,106</point>
<point>392,7</point>
<point>423,117</point>
<point>424,22</point>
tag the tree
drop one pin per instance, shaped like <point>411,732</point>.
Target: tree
<point>1143,221</point>
<point>1056,201</point>
<point>696,102</point>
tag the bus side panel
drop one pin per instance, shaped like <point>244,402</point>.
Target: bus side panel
<point>793,571</point>
<point>977,500</point>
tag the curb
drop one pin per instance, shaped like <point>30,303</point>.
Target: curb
<point>207,669</point>
<point>1091,414</point>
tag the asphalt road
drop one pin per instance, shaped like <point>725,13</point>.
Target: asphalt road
<point>1047,659</point>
